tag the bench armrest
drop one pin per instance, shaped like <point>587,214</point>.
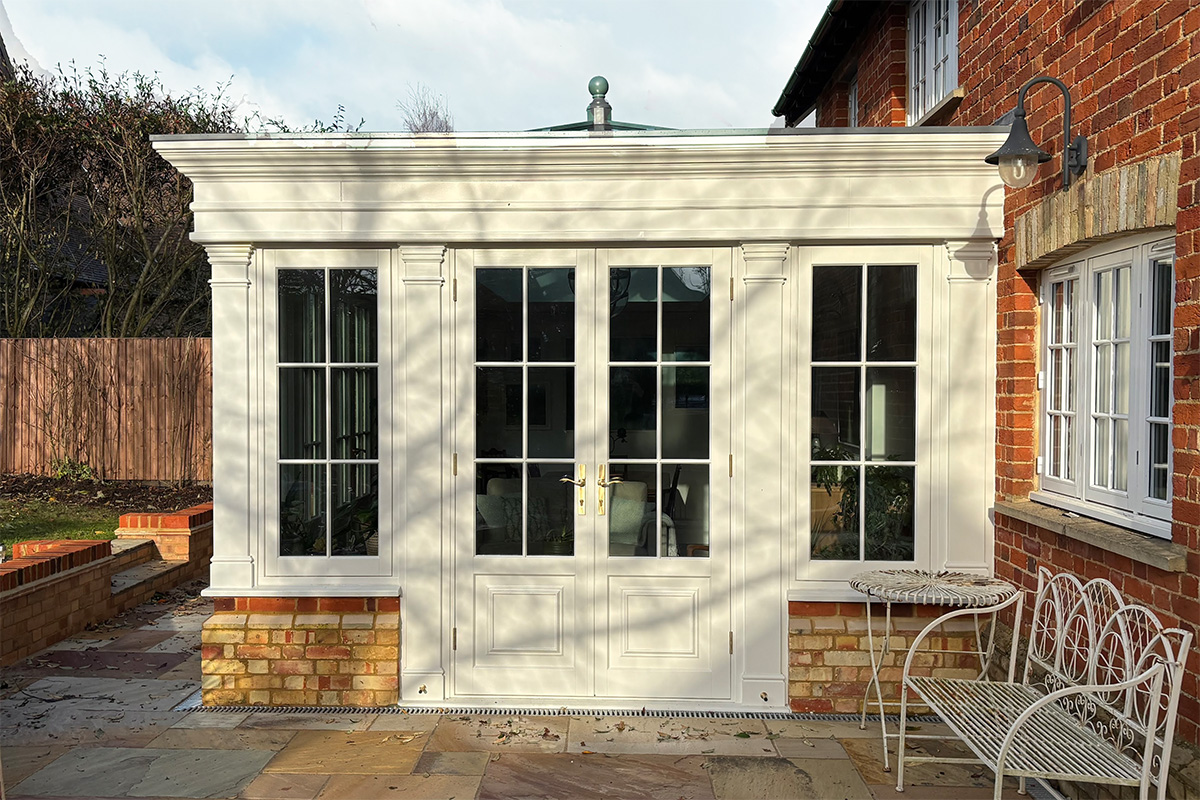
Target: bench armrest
<point>1018,599</point>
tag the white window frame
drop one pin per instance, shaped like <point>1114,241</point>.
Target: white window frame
<point>323,567</point>
<point>852,102</point>
<point>1076,489</point>
<point>932,55</point>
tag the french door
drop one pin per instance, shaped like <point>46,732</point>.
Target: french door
<point>592,488</point>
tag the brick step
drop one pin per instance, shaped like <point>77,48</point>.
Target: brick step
<point>144,575</point>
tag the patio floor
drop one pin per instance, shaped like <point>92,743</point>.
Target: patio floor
<point>93,717</point>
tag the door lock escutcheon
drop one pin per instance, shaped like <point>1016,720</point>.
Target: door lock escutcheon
<point>602,489</point>
<point>579,483</point>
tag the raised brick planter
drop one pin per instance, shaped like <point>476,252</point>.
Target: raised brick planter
<point>302,651</point>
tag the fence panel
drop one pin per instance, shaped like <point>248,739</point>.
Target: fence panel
<point>130,409</point>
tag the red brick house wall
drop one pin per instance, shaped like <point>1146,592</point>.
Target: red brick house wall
<point>881,70</point>
<point>1133,69</point>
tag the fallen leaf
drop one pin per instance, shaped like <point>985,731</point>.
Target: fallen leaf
<point>742,735</point>
<point>550,737</point>
<point>620,726</point>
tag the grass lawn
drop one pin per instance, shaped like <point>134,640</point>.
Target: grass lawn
<point>23,519</point>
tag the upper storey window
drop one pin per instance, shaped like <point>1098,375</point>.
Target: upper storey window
<point>932,54</point>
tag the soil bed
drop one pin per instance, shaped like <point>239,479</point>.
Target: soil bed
<point>123,497</point>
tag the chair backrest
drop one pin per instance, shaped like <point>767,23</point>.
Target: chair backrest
<point>1087,634</point>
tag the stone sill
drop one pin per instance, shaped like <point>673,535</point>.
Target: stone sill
<point>1140,547</point>
<point>942,108</point>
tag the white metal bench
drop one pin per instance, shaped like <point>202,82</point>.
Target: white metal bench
<point>1097,702</point>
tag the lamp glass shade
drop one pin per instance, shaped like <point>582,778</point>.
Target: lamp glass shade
<point>1018,170</point>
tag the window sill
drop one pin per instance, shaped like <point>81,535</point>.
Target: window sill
<point>942,108</point>
<point>1140,547</point>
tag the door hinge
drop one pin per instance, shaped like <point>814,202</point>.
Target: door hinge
<point>454,464</point>
<point>731,643</point>
<point>1041,378</point>
<point>454,638</point>
<point>731,465</point>
<point>454,290</point>
<point>1038,465</point>
<point>731,288</point>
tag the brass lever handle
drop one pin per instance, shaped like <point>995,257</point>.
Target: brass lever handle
<point>603,490</point>
<point>580,483</point>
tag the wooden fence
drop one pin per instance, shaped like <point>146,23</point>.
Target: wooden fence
<point>128,409</point>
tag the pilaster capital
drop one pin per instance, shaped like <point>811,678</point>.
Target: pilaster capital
<point>765,261</point>
<point>422,264</point>
<point>971,259</point>
<point>230,264</point>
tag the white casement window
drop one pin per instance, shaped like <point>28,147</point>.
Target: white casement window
<point>932,54</point>
<point>1106,384</point>
<point>852,103</point>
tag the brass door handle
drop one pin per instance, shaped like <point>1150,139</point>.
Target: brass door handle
<point>604,484</point>
<point>579,483</point>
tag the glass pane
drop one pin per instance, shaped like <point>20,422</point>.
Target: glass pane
<point>1103,378</point>
<point>498,314</point>
<point>1162,297</point>
<point>1120,453</point>
<point>682,527</point>
<point>355,529</point>
<point>498,412</point>
<point>1121,378</point>
<point>301,412</point>
<point>1069,449</point>
<point>685,412</point>
<point>891,401</point>
<point>302,510</point>
<point>498,509</point>
<point>1100,451</point>
<point>892,313</point>
<point>301,316</point>
<point>632,412</point>
<point>631,507</point>
<point>551,315</point>
<point>1121,303</point>
<point>353,319</point>
<point>836,313</point>
<point>355,413</point>
<point>1056,379</point>
<point>551,510</point>
<point>888,512</point>
<point>835,413</point>
<point>633,307</point>
<point>833,513</point>
<point>1104,305</point>
<point>1159,437</point>
<point>1056,446</point>
<point>686,310</point>
<point>551,412</point>
<point>1160,387</point>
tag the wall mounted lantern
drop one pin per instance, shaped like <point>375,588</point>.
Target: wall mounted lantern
<point>1019,157</point>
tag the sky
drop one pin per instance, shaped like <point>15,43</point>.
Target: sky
<point>499,64</point>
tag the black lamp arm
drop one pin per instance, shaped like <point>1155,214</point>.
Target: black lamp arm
<point>1074,153</point>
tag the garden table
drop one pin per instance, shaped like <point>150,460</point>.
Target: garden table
<point>945,588</point>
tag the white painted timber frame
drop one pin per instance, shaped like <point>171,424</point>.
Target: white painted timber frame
<point>774,199</point>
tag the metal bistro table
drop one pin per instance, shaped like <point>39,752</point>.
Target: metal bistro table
<point>955,590</point>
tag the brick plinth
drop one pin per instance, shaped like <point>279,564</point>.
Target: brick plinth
<point>309,651</point>
<point>829,663</point>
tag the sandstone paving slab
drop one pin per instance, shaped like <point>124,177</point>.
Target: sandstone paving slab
<point>193,623</point>
<point>867,755</point>
<point>416,787</point>
<point>523,734</point>
<point>530,776</point>
<point>821,729</point>
<point>187,670</point>
<point>350,753</point>
<point>889,792</point>
<point>138,641</point>
<point>103,663</point>
<point>669,735</point>
<point>222,739</point>
<point>405,722</point>
<point>91,772</point>
<point>735,778</point>
<point>200,773</point>
<point>452,763</point>
<point>810,748</point>
<point>282,786</point>
<point>209,719</point>
<point>94,693</point>
<point>176,642</point>
<point>303,721</point>
<point>21,762</point>
<point>115,727</point>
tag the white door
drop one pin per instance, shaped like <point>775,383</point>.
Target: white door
<point>610,369</point>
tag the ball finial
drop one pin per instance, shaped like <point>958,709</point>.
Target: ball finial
<point>598,86</point>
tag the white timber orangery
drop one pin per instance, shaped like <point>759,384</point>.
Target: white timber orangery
<point>593,405</point>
